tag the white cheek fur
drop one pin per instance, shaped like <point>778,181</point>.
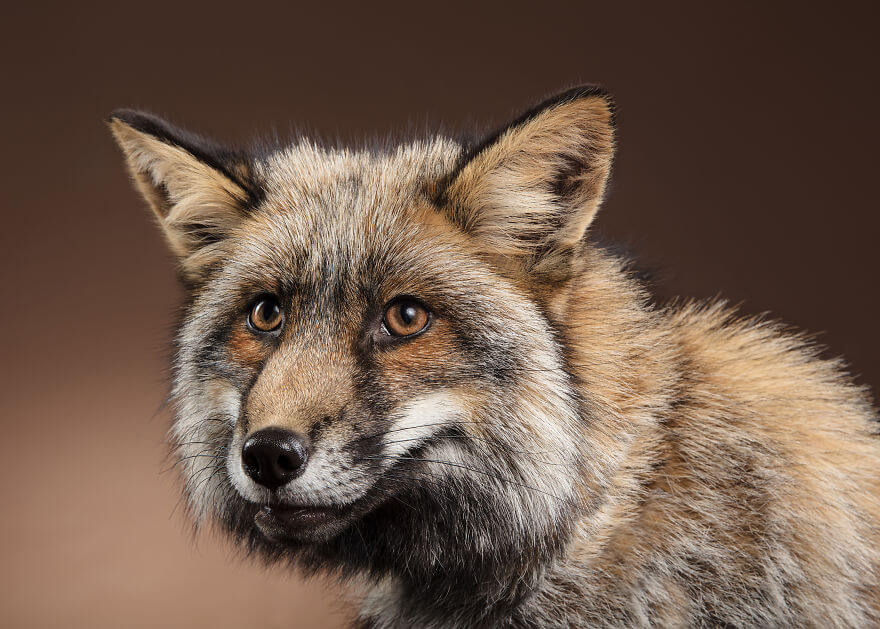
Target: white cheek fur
<point>207,413</point>
<point>418,420</point>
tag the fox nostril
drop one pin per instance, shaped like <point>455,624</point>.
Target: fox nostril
<point>251,464</point>
<point>273,456</point>
<point>285,463</point>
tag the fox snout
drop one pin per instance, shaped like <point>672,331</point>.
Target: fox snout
<point>287,412</point>
<point>272,457</point>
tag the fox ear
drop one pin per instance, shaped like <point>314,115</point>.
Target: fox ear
<point>530,191</point>
<point>198,190</point>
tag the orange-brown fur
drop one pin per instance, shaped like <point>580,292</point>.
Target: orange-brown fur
<point>731,426</point>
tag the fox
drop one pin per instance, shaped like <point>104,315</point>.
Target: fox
<point>412,367</point>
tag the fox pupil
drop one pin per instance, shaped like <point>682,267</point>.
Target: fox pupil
<point>267,311</point>
<point>408,314</point>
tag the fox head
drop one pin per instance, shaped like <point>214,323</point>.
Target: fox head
<point>372,368</point>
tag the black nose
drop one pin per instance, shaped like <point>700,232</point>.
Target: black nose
<point>273,456</point>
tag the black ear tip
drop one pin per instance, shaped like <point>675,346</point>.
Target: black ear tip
<point>127,116</point>
<point>144,122</point>
<point>586,90</point>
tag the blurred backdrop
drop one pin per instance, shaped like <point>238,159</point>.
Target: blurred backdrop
<point>747,166</point>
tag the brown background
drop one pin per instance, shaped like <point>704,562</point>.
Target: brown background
<point>747,167</point>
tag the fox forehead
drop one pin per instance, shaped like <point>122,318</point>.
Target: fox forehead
<point>351,188</point>
<point>334,216</point>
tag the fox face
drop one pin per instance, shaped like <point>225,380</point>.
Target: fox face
<point>369,367</point>
<point>409,364</point>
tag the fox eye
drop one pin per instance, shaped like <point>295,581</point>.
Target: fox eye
<point>405,317</point>
<point>265,315</point>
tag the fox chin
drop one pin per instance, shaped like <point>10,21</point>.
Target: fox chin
<point>412,366</point>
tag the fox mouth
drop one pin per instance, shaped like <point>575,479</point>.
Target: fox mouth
<point>290,524</point>
<point>287,523</point>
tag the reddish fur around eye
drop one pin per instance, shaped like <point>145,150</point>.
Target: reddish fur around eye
<point>246,349</point>
<point>396,322</point>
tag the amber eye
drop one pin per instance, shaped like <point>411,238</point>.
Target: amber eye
<point>405,318</point>
<point>266,315</point>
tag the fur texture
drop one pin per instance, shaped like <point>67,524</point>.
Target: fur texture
<point>553,449</point>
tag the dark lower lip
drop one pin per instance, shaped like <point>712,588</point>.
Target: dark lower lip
<point>282,522</point>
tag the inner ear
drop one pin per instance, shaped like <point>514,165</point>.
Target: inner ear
<point>531,189</point>
<point>198,190</point>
